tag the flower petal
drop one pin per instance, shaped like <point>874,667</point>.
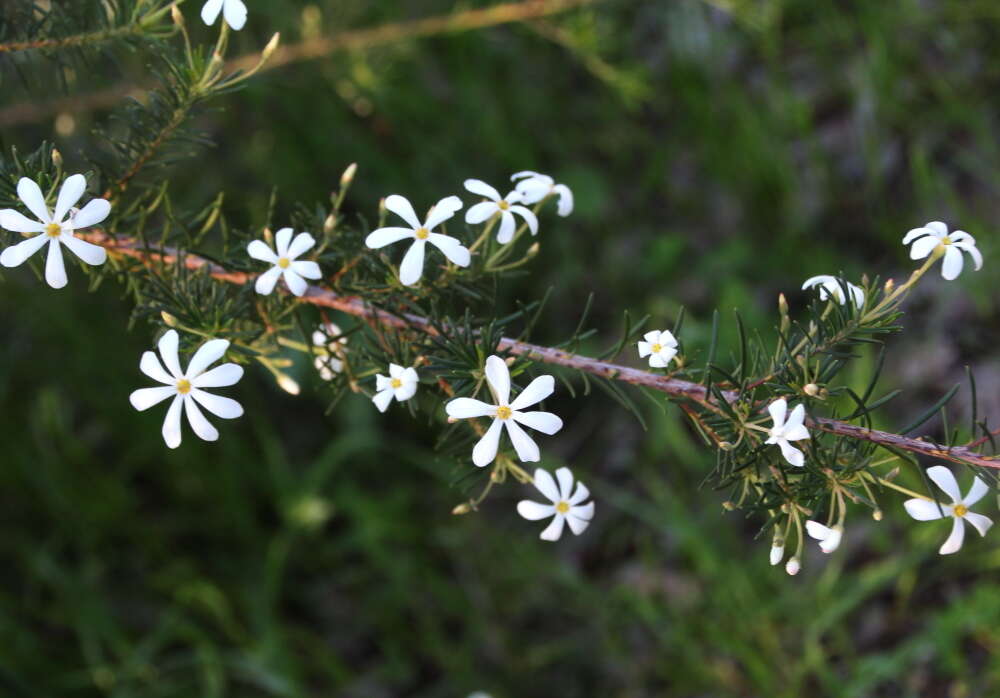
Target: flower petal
<point>55,268</point>
<point>382,399</point>
<point>258,249</point>
<point>224,407</point>
<point>151,366</point>
<point>914,234</point>
<point>207,354</point>
<point>307,270</point>
<point>236,13</point>
<point>15,255</point>
<point>565,199</point>
<point>201,426</point>
<point>923,510</point>
<point>537,390</point>
<point>93,213</point>
<point>795,419</point>
<point>31,196</point>
<point>546,485</point>
<point>796,433</point>
<point>976,492</point>
<point>534,511</point>
<point>554,530</point>
<point>478,186</point>
<point>507,227</point>
<point>578,524</point>
<point>818,530</point>
<point>565,478</point>
<point>498,376</point>
<point>452,248</point>
<point>301,244</point>
<point>402,207</point>
<point>954,542</point>
<point>144,398</point>
<point>413,264</point>
<point>953,262</point>
<point>17,222</point>
<point>581,494</point>
<point>219,377</point>
<point>172,423</point>
<point>530,218</point>
<point>70,192</point>
<point>791,454</point>
<point>210,11</point>
<point>86,252</point>
<point>645,349</point>
<point>168,352</point>
<point>481,212</point>
<point>977,258</point>
<point>777,409</point>
<point>545,422</point>
<point>442,211</point>
<point>944,479</point>
<point>467,408</point>
<point>387,236</point>
<point>265,282</point>
<point>486,450</point>
<point>923,247</point>
<point>281,240</point>
<point>938,228</point>
<point>527,449</point>
<point>296,284</point>
<point>980,522</point>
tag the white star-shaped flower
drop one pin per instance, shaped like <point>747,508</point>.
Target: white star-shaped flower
<point>829,287</point>
<point>793,430</point>
<point>187,388</point>
<point>935,234</point>
<point>285,262</point>
<point>535,186</point>
<point>507,413</point>
<point>924,510</point>
<point>506,207</point>
<point>234,12</point>
<point>659,346</point>
<point>401,383</point>
<point>412,266</point>
<point>328,336</point>
<point>565,507</point>
<point>829,538</point>
<point>54,228</point>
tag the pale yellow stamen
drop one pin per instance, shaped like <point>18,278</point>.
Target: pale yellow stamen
<point>503,205</point>
<point>396,383</point>
<point>421,233</point>
<point>503,412</point>
<point>183,386</point>
<point>562,507</point>
<point>53,230</point>
<point>960,510</point>
<point>946,240</point>
<point>657,348</point>
<point>284,263</point>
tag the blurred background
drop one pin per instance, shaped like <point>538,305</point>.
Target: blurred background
<point>721,151</point>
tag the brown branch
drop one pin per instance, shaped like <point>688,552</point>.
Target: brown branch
<point>312,49</point>
<point>129,247</point>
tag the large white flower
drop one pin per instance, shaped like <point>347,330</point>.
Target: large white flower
<point>659,346</point>
<point>535,186</point>
<point>829,538</point>
<point>412,267</point>
<point>924,510</point>
<point>234,12</point>
<point>934,235</point>
<point>829,287</point>
<point>54,228</point>
<point>505,207</point>
<point>187,388</point>
<point>783,432</point>
<point>507,413</point>
<point>401,383</point>
<point>328,336</point>
<point>285,262</point>
<point>565,507</point>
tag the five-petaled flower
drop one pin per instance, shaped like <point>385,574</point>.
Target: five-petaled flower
<point>54,228</point>
<point>830,287</point>
<point>504,206</point>
<point>233,11</point>
<point>401,383</point>
<point>285,261</point>
<point>412,266</point>
<point>566,505</point>
<point>187,388</point>
<point>535,186</point>
<point>331,361</point>
<point>935,235</point>
<point>829,538</point>
<point>659,346</point>
<point>783,432</point>
<point>507,413</point>
<point>926,510</point>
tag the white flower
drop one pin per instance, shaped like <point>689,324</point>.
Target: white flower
<point>660,347</point>
<point>793,430</point>
<point>793,566</point>
<point>829,287</point>
<point>331,363</point>
<point>566,504</point>
<point>400,384</point>
<point>285,262</point>
<point>935,234</point>
<point>829,538</point>
<point>506,207</point>
<point>924,510</point>
<point>535,186</point>
<point>54,228</point>
<point>509,414</point>
<point>234,12</point>
<point>777,553</point>
<point>413,262</point>
<point>187,388</point>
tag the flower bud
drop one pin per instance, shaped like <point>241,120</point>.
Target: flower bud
<point>811,389</point>
<point>892,474</point>
<point>728,506</point>
<point>777,551</point>
<point>782,304</point>
<point>177,16</point>
<point>877,514</point>
<point>726,445</point>
<point>57,158</point>
<point>168,319</point>
<point>288,384</point>
<point>348,176</point>
<point>271,47</point>
<point>462,508</point>
<point>329,224</point>
<point>889,285</point>
<point>793,566</point>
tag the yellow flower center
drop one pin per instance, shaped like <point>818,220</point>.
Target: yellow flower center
<point>183,386</point>
<point>946,240</point>
<point>960,510</point>
<point>562,507</point>
<point>53,230</point>
<point>503,205</point>
<point>503,412</point>
<point>284,263</point>
<point>396,383</point>
<point>421,233</point>
<point>657,348</point>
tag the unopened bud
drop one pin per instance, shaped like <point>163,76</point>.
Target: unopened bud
<point>462,508</point>
<point>533,250</point>
<point>288,384</point>
<point>793,566</point>
<point>168,319</point>
<point>777,550</point>
<point>877,514</point>
<point>728,506</point>
<point>892,474</point>
<point>177,15</point>
<point>271,47</point>
<point>782,304</point>
<point>726,445</point>
<point>811,389</point>
<point>495,476</point>
<point>889,285</point>
<point>348,176</point>
<point>381,206</point>
<point>329,224</point>
<point>57,158</point>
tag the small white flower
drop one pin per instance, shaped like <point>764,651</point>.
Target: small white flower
<point>660,347</point>
<point>507,413</point>
<point>234,12</point>
<point>829,287</point>
<point>777,553</point>
<point>54,228</point>
<point>924,510</point>
<point>285,262</point>
<point>829,538</point>
<point>330,364</point>
<point>506,207</point>
<point>413,262</point>
<point>566,506</point>
<point>793,430</point>
<point>187,388</point>
<point>535,186</point>
<point>935,234</point>
<point>793,566</point>
<point>400,384</point>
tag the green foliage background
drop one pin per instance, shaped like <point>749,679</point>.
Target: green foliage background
<point>720,152</point>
